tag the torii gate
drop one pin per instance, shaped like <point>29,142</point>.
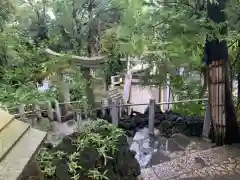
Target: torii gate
<point>86,63</point>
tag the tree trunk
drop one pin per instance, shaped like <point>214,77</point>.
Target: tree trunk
<point>232,132</point>
<point>238,76</point>
<point>220,96</point>
<point>238,80</point>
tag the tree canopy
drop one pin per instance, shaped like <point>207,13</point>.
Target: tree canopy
<point>168,35</point>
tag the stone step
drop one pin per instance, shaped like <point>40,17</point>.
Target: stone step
<point>151,151</point>
<point>10,135</point>
<point>6,118</point>
<point>186,145</point>
<point>191,144</point>
<point>188,163</point>
<point>13,164</point>
<point>229,169</point>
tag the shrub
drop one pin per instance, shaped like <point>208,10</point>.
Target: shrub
<point>97,151</point>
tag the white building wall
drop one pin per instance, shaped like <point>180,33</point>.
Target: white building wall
<point>141,95</point>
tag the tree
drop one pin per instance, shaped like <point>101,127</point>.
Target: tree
<point>228,133</point>
<point>22,60</point>
<point>78,27</point>
<point>179,44</point>
<point>117,29</point>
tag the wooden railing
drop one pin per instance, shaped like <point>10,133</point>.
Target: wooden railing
<point>23,110</point>
<point>115,110</point>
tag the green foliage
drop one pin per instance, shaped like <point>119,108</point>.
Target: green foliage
<point>97,139</point>
<point>6,8</point>
<point>187,87</point>
<point>21,68</point>
<point>174,33</point>
<point>45,161</point>
<point>23,58</point>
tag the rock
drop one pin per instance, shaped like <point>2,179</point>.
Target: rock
<point>168,111</point>
<point>159,118</point>
<point>172,117</point>
<point>164,126</point>
<point>144,161</point>
<point>68,116</point>
<point>48,145</point>
<point>88,149</point>
<point>139,136</point>
<point>179,119</point>
<point>156,132</point>
<point>168,123</point>
<point>129,140</point>
<point>130,133</point>
<point>157,110</point>
<point>125,125</point>
<point>140,120</point>
<point>146,144</point>
<point>135,147</point>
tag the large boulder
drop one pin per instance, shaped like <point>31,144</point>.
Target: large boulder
<point>97,151</point>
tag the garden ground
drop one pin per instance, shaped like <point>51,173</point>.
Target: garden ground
<point>188,158</point>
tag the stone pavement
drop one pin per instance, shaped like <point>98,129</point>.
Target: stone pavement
<point>151,151</point>
<point>229,169</point>
<point>186,159</point>
<point>200,164</point>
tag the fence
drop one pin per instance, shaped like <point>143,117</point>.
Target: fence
<point>53,109</point>
<point>115,110</point>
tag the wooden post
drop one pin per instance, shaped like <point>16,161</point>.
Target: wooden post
<point>78,119</point>
<point>120,107</point>
<point>49,110</point>
<point>57,111</point>
<point>166,146</point>
<point>114,114</point>
<point>78,116</point>
<point>21,110</point>
<point>207,122</point>
<point>128,65</point>
<point>102,108</point>
<point>109,101</point>
<point>66,99</point>
<point>152,105</point>
<point>85,111</point>
<point>65,91</point>
<point>38,110</point>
